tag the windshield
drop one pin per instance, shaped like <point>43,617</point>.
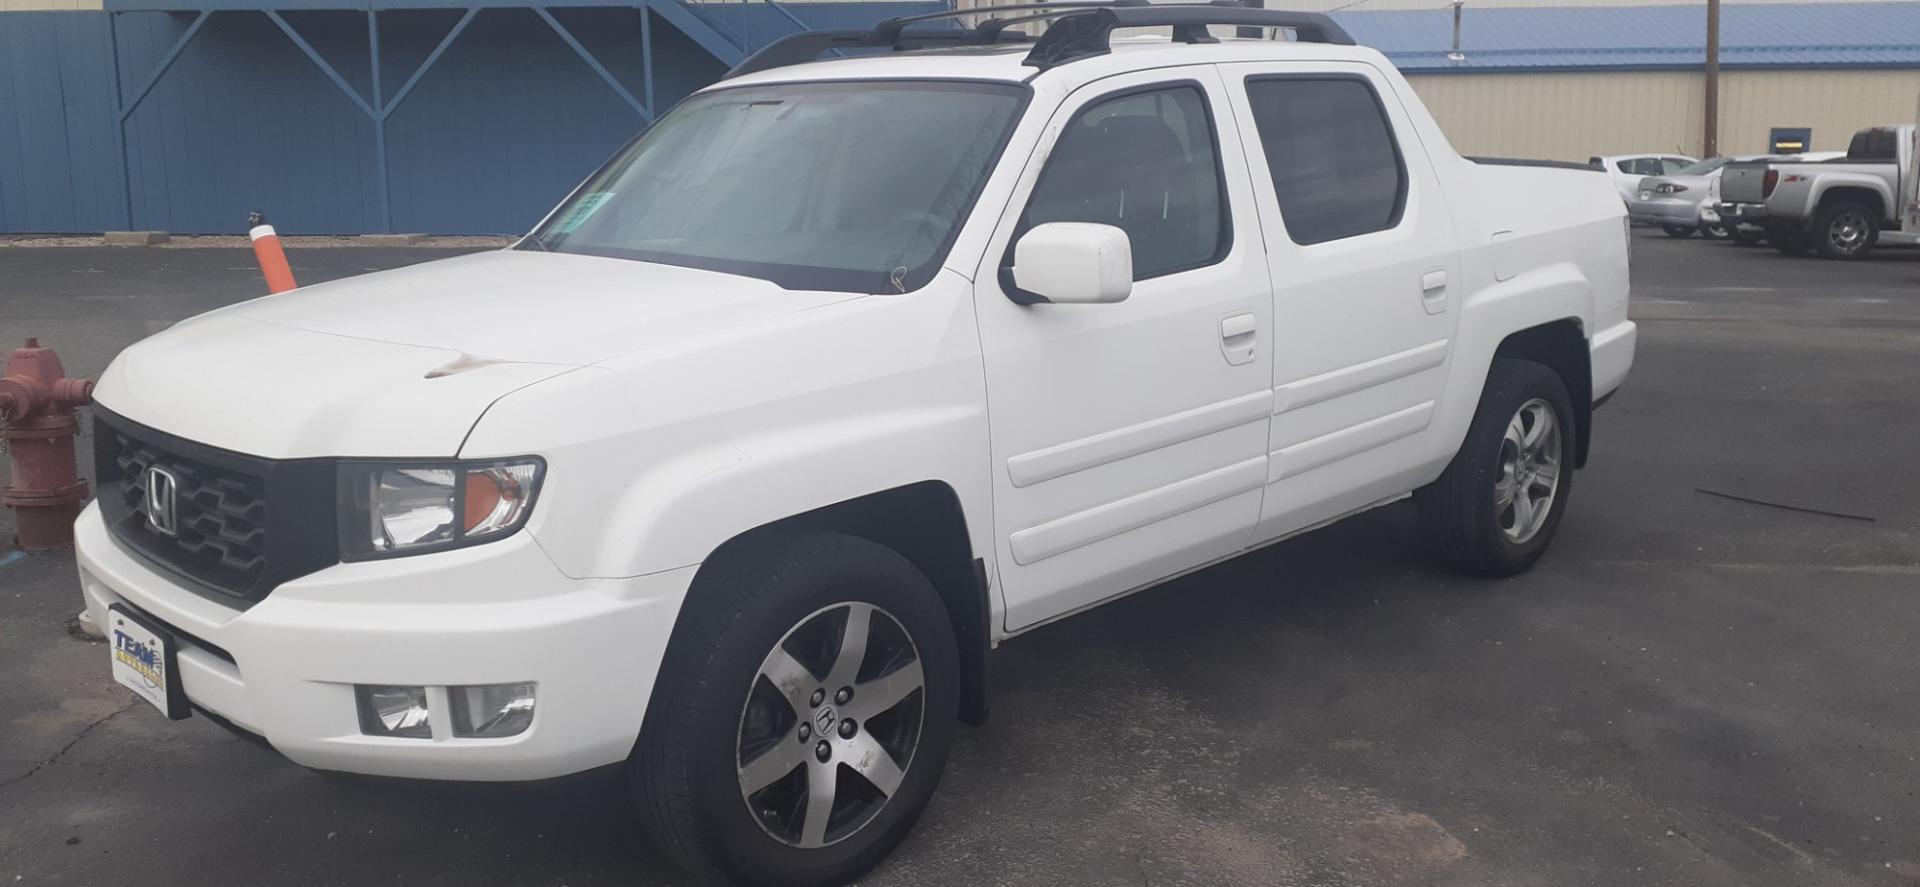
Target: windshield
<point>847,186</point>
<point>1701,168</point>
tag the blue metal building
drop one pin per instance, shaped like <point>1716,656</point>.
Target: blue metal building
<point>347,116</point>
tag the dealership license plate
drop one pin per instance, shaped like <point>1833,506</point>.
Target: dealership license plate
<point>143,659</point>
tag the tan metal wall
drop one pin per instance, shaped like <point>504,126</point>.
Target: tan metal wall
<point>1576,116</point>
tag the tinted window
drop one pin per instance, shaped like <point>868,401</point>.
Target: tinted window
<point>1641,166</point>
<point>1145,163</point>
<point>1336,170</point>
<point>1872,145</point>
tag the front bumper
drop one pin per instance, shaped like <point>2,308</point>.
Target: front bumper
<point>497,613</point>
<point>1660,210</point>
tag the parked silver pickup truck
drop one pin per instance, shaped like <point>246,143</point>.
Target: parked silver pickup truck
<point>1835,207</point>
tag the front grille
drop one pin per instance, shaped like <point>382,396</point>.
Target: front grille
<point>241,524</point>
<point>220,517</point>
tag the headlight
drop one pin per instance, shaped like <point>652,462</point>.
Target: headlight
<point>394,508</point>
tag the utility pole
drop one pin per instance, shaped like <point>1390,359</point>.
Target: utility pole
<point>1710,144</point>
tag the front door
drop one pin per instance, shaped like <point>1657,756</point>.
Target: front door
<point>1129,439</point>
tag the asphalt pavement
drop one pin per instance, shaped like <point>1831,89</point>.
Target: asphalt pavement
<point>1688,690</point>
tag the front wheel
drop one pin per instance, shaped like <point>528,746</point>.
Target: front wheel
<point>1496,507</point>
<point>803,715</point>
<point>1677,231</point>
<point>1713,231</point>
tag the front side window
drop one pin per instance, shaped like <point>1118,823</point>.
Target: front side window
<point>1336,170</point>
<point>1146,163</point>
<point>1671,165</point>
<point>847,186</point>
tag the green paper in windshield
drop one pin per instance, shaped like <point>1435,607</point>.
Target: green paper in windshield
<point>582,211</point>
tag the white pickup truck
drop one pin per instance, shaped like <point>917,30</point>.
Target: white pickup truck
<point>1838,208</point>
<point>843,373</point>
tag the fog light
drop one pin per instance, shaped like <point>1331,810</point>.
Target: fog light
<point>491,711</point>
<point>393,711</point>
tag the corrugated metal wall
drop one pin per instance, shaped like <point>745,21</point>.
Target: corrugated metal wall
<point>493,135</point>
<point>1576,116</point>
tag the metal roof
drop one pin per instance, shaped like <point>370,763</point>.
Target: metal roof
<point>1826,35</point>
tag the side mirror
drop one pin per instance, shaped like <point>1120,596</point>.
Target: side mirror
<point>1073,263</point>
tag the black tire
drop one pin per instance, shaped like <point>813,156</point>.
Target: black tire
<point>1677,231</point>
<point>1845,229</point>
<point>1463,521</point>
<point>683,771</point>
<point>1745,237</point>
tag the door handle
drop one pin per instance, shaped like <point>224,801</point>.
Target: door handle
<point>1433,290</point>
<point>1237,338</point>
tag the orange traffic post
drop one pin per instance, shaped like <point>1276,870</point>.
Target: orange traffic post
<point>273,259</point>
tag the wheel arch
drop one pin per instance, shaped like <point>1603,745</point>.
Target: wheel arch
<point>1872,197</point>
<point>1562,347</point>
<point>924,523</point>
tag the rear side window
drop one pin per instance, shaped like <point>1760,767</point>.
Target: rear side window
<point>1640,166</point>
<point>1873,145</point>
<point>1144,162</point>
<point>1336,170</point>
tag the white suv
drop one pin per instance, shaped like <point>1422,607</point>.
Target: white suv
<point>840,375</point>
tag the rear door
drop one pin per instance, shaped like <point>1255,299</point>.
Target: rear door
<point>1366,282</point>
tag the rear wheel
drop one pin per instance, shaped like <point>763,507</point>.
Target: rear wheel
<point>1495,509</point>
<point>803,715</point>
<point>1677,230</point>
<point>1845,229</point>
<point>1713,231</point>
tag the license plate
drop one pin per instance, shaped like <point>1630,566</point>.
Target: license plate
<point>143,660</point>
<point>1645,195</point>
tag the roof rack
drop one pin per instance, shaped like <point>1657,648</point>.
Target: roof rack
<point>1080,29</point>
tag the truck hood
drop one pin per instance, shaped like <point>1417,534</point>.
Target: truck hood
<point>533,307</point>
<point>403,363</point>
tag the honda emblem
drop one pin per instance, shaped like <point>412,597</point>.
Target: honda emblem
<point>162,493</point>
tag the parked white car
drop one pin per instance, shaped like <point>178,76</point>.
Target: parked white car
<point>1626,170</point>
<point>844,373</point>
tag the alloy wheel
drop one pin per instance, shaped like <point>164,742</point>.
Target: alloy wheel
<point>1847,232</point>
<point>1529,471</point>
<point>830,725</point>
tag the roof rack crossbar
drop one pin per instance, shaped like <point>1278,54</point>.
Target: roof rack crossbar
<point>806,46</point>
<point>1089,33</point>
<point>1080,29</point>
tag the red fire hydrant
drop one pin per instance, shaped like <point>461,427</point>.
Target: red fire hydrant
<point>37,401</point>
